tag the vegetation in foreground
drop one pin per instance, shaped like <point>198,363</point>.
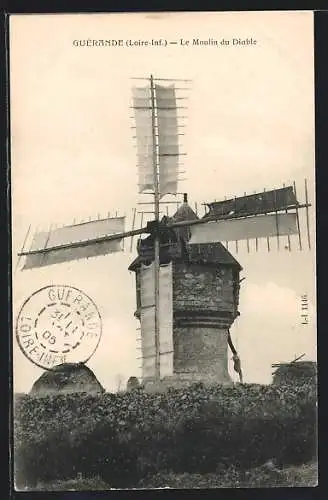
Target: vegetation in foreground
<point>186,438</point>
<point>261,477</point>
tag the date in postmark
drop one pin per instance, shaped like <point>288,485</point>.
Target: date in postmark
<point>58,324</point>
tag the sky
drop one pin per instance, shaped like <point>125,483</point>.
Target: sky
<point>249,125</point>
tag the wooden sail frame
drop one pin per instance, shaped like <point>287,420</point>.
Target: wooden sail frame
<point>156,241</point>
<point>156,138</point>
<point>147,230</point>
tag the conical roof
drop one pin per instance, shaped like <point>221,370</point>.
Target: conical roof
<point>184,212</point>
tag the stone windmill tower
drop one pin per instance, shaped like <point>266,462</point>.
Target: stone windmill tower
<point>200,304</point>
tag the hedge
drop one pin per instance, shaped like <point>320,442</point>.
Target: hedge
<point>125,437</point>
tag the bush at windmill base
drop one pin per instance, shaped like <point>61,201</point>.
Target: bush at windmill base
<point>126,437</point>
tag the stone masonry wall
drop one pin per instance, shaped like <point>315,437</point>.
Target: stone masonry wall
<point>200,294</point>
<point>203,351</point>
<point>197,287</point>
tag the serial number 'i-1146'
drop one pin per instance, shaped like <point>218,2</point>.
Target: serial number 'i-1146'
<point>304,309</point>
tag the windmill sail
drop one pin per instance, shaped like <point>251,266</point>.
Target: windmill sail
<point>265,202</point>
<point>250,217</point>
<point>168,145</point>
<point>243,229</point>
<point>143,119</point>
<point>74,242</point>
<point>147,318</point>
<point>160,137</point>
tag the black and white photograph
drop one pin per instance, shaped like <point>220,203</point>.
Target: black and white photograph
<point>163,250</point>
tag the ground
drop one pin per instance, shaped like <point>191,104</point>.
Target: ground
<point>305,475</point>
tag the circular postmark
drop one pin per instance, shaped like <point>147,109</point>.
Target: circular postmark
<point>58,324</point>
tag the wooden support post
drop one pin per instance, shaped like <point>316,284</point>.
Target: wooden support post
<point>23,247</point>
<point>307,214</point>
<point>288,237</point>
<point>46,243</point>
<point>277,222</point>
<point>247,240</point>
<point>227,242</point>
<point>268,239</point>
<point>156,240</point>
<point>133,222</point>
<point>298,220</point>
<point>235,213</point>
<point>256,239</point>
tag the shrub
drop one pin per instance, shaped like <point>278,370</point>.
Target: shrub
<point>128,436</point>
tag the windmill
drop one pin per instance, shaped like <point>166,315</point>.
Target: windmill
<point>268,214</point>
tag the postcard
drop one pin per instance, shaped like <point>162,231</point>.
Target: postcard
<point>163,250</point>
